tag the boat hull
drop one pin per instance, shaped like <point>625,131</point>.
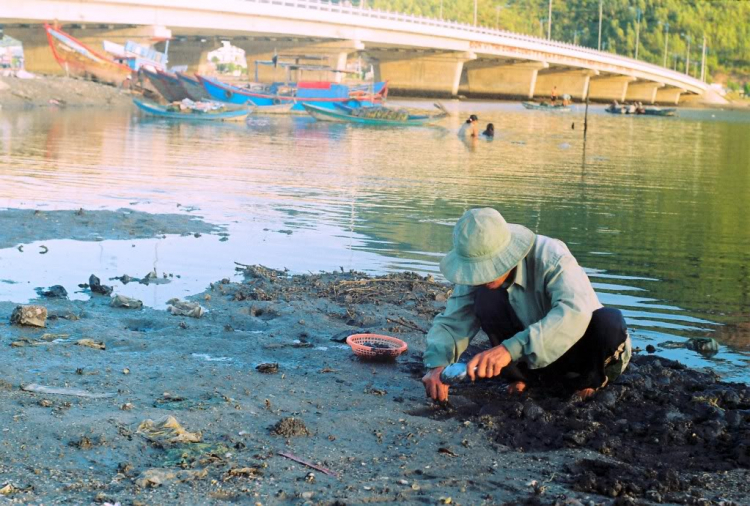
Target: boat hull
<point>193,87</point>
<point>539,107</point>
<point>159,111</point>
<point>79,60</point>
<point>326,98</point>
<point>342,115</point>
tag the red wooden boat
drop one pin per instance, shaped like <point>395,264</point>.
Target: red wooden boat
<point>77,59</point>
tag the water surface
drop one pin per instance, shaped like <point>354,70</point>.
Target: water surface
<point>656,209</point>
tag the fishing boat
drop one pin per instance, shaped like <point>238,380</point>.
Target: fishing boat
<point>193,86</point>
<point>642,111</point>
<point>77,59</point>
<point>320,93</point>
<point>167,84</point>
<point>544,106</point>
<point>377,115</point>
<point>194,111</point>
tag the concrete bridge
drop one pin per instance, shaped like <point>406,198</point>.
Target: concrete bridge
<point>417,55</point>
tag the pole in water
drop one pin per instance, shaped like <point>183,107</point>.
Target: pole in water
<point>586,117</point>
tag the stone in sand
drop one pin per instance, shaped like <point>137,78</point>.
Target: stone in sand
<point>126,302</point>
<point>290,427</point>
<point>179,307</point>
<point>55,292</point>
<point>34,316</point>
<point>97,287</point>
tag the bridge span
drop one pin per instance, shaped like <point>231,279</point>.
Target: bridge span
<point>417,55</point>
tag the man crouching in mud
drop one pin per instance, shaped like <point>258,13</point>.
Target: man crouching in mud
<point>535,303</point>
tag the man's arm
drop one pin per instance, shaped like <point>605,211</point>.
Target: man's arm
<point>573,302</point>
<point>452,330</point>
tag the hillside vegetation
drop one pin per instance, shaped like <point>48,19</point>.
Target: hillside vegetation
<point>725,24</point>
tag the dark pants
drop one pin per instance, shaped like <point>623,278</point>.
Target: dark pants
<point>582,366</point>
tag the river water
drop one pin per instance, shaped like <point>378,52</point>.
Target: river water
<point>657,210</point>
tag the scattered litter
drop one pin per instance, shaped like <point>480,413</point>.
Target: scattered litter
<point>309,464</point>
<point>53,292</point>
<point>703,345</point>
<point>167,430</point>
<point>96,286</point>
<point>77,392</point>
<point>157,477</point>
<point>44,250</point>
<point>126,302</point>
<point>90,343</point>
<point>179,307</point>
<point>209,358</point>
<point>188,455</point>
<point>268,368</point>
<point>33,316</point>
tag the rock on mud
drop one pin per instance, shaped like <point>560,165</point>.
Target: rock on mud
<point>34,316</point>
<point>290,427</point>
<point>126,302</point>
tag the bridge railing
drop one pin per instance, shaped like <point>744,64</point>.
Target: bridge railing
<point>360,11</point>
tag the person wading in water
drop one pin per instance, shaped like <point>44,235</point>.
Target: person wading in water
<point>535,303</point>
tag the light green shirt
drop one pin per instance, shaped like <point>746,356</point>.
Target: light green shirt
<point>551,295</point>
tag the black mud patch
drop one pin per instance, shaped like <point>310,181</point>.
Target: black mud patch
<point>665,427</point>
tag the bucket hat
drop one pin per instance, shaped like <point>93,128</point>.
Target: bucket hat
<point>485,247</point>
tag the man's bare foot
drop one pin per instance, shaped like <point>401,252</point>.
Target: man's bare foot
<point>517,387</point>
<point>585,393</point>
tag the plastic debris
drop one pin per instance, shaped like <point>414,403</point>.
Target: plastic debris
<point>167,430</point>
<point>126,302</point>
<point>179,307</point>
<point>53,292</point>
<point>97,287</point>
<point>34,316</point>
<point>90,343</point>
<point>77,392</point>
<point>158,477</point>
<point>703,345</point>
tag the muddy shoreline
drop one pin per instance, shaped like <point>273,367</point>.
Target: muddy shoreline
<point>264,372</point>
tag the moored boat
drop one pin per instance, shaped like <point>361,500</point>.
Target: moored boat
<point>320,93</point>
<point>168,85</point>
<point>544,106</point>
<point>377,115</point>
<point>193,86</point>
<point>79,60</point>
<point>640,111</point>
<point>194,111</point>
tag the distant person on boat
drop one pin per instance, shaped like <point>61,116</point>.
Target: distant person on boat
<point>553,95</point>
<point>470,128</point>
<point>489,131</point>
<point>535,303</point>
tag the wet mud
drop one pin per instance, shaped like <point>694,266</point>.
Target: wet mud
<point>59,92</point>
<point>183,410</point>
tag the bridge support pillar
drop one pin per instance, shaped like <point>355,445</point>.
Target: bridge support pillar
<point>669,95</point>
<point>438,74</point>
<point>610,88</point>
<point>38,57</point>
<point>568,82</point>
<point>516,80</point>
<point>643,92</point>
<point>192,54</point>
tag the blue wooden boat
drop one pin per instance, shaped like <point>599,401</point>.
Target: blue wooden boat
<point>219,112</point>
<point>377,115</point>
<point>320,93</point>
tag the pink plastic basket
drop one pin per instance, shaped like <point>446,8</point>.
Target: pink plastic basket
<point>376,346</point>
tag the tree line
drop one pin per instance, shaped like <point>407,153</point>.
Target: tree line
<point>668,32</point>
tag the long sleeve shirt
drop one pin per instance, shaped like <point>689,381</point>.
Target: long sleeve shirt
<point>551,295</point>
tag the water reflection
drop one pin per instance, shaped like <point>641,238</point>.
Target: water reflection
<point>656,209</point>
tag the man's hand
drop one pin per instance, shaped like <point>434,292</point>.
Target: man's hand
<point>488,364</point>
<point>435,388</point>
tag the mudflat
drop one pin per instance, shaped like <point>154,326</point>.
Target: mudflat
<point>259,401</point>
